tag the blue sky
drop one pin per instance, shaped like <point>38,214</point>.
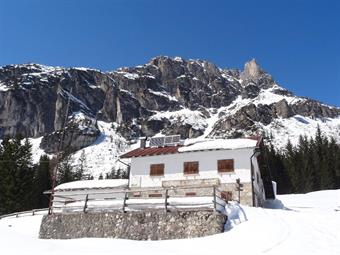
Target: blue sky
<point>298,42</point>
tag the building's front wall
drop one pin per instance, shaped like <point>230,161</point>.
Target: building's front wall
<point>173,167</point>
<point>174,171</point>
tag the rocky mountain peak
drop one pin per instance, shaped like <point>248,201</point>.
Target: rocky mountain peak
<point>252,69</point>
<point>254,75</point>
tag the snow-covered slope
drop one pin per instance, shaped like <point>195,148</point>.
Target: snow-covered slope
<point>102,155</point>
<point>304,224</point>
<point>291,128</point>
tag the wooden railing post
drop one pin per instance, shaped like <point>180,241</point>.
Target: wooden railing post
<point>124,202</point>
<point>166,200</point>
<point>85,205</point>
<point>214,194</point>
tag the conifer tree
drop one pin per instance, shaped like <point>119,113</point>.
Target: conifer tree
<point>290,159</point>
<point>81,168</point>
<point>42,181</point>
<point>313,164</point>
<point>16,175</point>
<point>65,170</point>
<point>100,177</point>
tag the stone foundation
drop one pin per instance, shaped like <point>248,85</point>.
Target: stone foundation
<point>245,195</point>
<point>145,225</point>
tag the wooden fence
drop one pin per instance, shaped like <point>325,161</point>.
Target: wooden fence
<point>126,200</point>
<point>25,213</point>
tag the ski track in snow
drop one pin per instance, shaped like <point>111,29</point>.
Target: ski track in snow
<point>285,232</point>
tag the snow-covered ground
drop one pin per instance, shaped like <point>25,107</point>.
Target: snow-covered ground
<point>302,224</point>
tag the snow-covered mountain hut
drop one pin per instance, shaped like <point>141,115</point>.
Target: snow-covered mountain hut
<point>191,170</point>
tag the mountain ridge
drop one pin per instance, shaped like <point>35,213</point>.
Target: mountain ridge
<point>193,98</point>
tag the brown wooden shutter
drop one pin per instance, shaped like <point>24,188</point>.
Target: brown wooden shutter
<point>191,167</point>
<point>225,165</point>
<point>156,169</point>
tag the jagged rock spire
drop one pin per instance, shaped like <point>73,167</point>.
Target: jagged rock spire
<point>252,69</point>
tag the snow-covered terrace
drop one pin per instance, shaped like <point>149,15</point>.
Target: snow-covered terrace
<point>101,195</point>
<point>93,184</point>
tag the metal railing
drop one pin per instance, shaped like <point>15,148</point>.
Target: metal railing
<point>166,199</point>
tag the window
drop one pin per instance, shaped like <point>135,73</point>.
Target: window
<point>157,169</point>
<point>225,165</point>
<point>191,167</point>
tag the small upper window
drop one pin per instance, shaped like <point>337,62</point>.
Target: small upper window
<point>191,167</point>
<point>225,165</point>
<point>157,169</point>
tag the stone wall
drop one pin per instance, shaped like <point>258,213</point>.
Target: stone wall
<point>144,225</point>
<point>246,197</point>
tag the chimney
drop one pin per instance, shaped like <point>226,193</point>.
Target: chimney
<point>142,142</point>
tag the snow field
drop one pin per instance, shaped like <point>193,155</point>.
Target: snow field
<point>307,224</point>
<point>102,155</point>
<point>291,128</point>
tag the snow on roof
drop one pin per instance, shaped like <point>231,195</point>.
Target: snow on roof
<point>214,144</point>
<point>93,184</point>
<point>217,144</point>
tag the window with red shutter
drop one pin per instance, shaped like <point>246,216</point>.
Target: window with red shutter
<point>225,165</point>
<point>191,167</point>
<point>156,169</point>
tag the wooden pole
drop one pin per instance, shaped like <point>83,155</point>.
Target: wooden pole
<point>60,147</point>
<point>124,202</point>
<point>214,194</point>
<point>85,205</point>
<point>166,200</point>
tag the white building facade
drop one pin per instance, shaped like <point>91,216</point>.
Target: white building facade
<point>208,163</point>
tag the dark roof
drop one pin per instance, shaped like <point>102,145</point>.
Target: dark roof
<point>151,151</point>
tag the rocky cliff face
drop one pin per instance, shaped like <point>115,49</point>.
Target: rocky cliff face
<point>167,95</point>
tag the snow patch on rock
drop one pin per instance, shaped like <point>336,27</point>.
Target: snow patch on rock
<point>194,118</point>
